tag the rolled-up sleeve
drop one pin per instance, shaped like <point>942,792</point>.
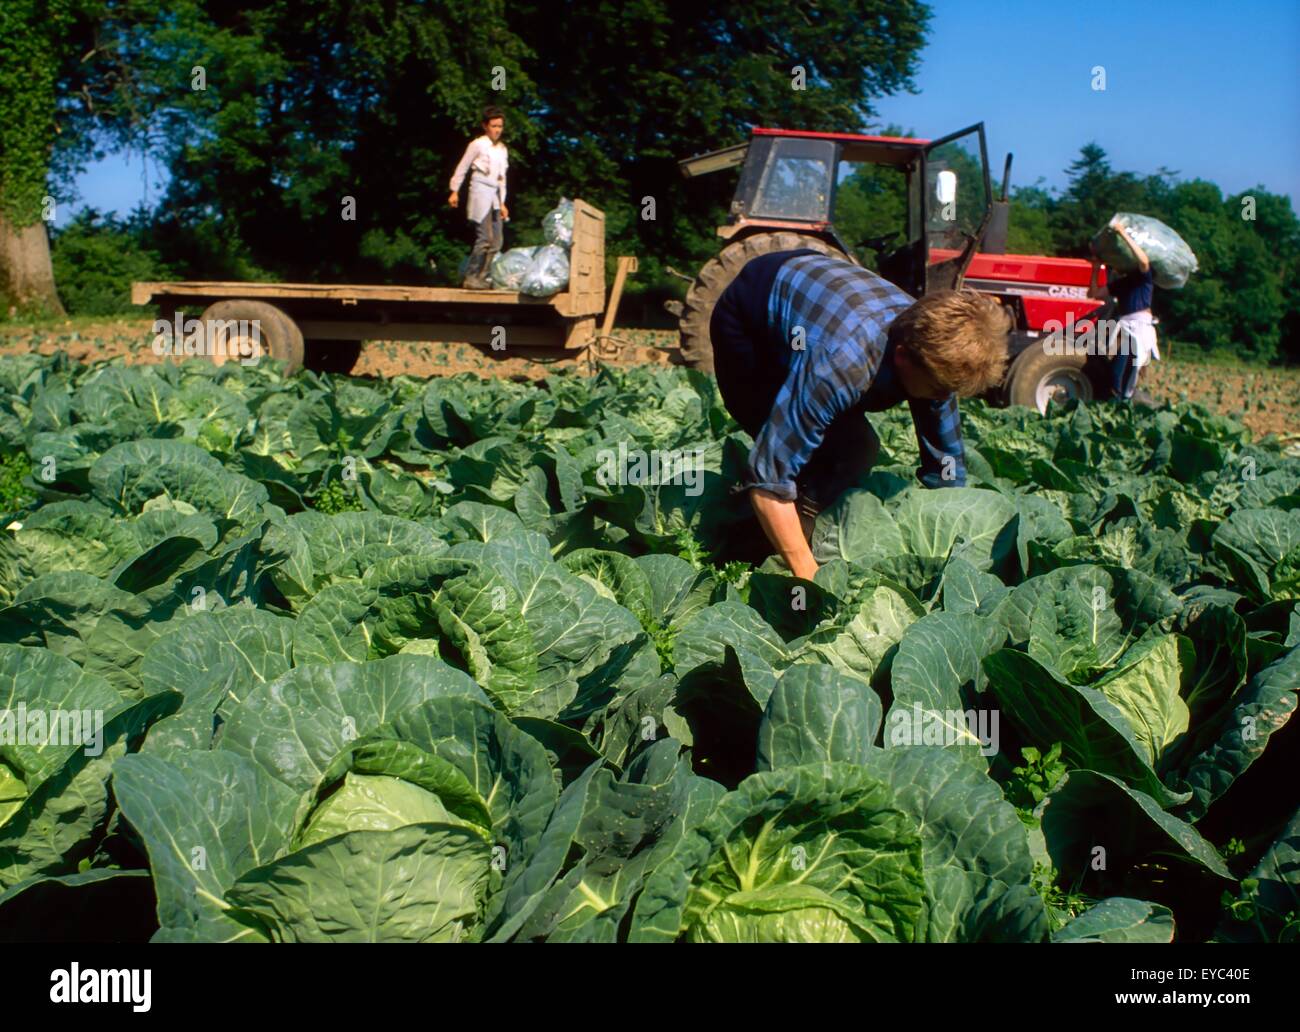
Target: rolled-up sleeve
<point>815,392</point>
<point>938,437</point>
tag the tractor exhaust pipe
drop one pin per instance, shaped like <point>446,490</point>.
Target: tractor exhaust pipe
<point>995,237</point>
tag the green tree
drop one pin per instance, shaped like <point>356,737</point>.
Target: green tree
<point>1029,228</point>
<point>629,88</point>
<point>1094,194</point>
<point>316,141</point>
<point>1235,302</point>
<point>32,35</point>
<point>374,100</point>
<point>1275,223</point>
<point>69,90</point>
<point>96,258</point>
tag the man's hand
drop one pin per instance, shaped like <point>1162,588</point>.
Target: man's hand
<point>453,199</point>
<point>780,522</point>
<point>505,213</point>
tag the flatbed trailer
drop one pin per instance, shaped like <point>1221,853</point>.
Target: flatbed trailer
<point>325,323</point>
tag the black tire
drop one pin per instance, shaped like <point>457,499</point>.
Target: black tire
<point>280,337</point>
<point>332,356</point>
<point>1038,376</point>
<point>716,276</point>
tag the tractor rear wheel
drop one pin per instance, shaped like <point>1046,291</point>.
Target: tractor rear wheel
<point>1037,376</point>
<point>716,276</point>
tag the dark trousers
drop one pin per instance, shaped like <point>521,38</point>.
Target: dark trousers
<point>1123,376</point>
<point>487,242</point>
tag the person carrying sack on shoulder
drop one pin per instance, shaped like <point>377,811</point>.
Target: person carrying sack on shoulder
<point>486,162</point>
<point>1133,334</point>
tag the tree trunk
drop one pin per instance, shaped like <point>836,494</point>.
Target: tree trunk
<point>26,274</point>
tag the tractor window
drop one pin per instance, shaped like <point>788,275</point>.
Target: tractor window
<point>956,195</point>
<point>871,209</point>
<point>796,182</point>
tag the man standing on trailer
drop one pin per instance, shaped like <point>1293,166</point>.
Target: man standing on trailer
<point>486,162</point>
<point>804,345</point>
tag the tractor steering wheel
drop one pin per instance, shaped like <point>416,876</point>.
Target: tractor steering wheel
<point>878,243</point>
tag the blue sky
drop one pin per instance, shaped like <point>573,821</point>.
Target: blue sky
<point>1209,89</point>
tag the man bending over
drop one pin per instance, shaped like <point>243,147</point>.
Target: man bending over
<point>805,345</point>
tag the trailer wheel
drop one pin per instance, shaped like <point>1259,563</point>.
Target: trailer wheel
<point>332,356</point>
<point>716,276</point>
<point>1037,377</point>
<point>279,336</point>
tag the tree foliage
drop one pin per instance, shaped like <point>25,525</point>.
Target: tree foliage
<point>277,120</point>
<point>67,89</point>
<point>304,108</point>
<point>97,257</point>
<point>29,65</point>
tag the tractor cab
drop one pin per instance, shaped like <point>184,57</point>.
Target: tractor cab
<point>914,209</point>
<point>916,212</point>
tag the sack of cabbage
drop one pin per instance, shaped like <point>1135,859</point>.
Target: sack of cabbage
<point>557,224</point>
<point>508,268</point>
<point>1172,261</point>
<point>539,271</point>
<point>536,271</point>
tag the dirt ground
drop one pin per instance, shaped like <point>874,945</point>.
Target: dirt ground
<point>1266,400</point>
<point>87,341</point>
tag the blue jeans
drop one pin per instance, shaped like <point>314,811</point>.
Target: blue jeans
<point>1123,377</point>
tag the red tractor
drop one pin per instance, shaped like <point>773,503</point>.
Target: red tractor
<point>926,209</point>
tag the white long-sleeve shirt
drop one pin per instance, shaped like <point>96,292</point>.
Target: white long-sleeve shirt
<point>487,184</point>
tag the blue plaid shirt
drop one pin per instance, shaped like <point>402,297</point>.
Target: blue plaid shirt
<point>842,313</point>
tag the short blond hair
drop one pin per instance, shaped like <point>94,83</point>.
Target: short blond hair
<point>959,336</point>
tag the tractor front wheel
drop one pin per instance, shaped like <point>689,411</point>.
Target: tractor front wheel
<point>716,276</point>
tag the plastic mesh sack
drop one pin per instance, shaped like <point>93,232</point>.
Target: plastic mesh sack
<point>548,273</point>
<point>510,267</point>
<point>1172,261</point>
<point>557,224</point>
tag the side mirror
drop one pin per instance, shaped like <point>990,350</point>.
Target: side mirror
<point>945,187</point>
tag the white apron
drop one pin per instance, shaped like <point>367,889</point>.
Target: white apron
<point>1142,332</point>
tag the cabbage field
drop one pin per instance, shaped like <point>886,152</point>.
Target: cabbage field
<point>324,659</point>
